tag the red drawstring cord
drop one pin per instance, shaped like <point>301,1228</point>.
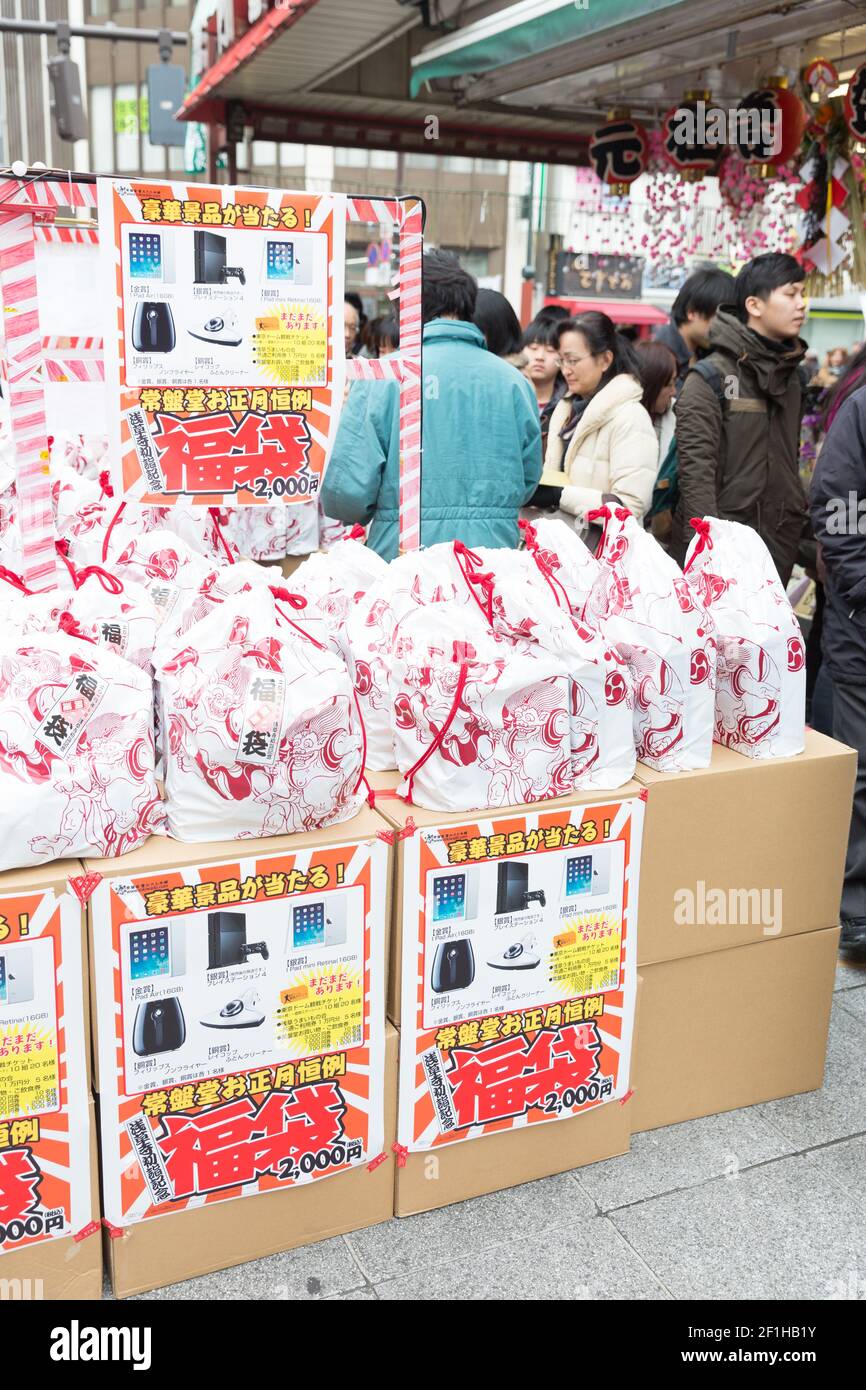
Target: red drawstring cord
<point>484,581</point>
<point>214,514</point>
<point>14,579</point>
<point>530,537</point>
<point>71,626</point>
<point>296,601</point>
<point>357,533</point>
<point>109,530</point>
<point>110,583</point>
<point>62,548</point>
<point>449,720</point>
<point>105,484</point>
<point>705,540</point>
<point>361,776</point>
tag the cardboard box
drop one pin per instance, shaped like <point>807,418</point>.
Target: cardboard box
<point>398,813</point>
<point>455,1172</point>
<point>47,1116</point>
<point>162,853</point>
<point>770,834</point>
<point>181,1246</point>
<point>56,875</point>
<point>724,1029</point>
<point>64,1269</point>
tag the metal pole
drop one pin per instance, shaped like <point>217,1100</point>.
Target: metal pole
<point>111,32</point>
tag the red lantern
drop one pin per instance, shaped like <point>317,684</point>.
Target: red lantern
<point>618,151</point>
<point>855,104</point>
<point>775,120</point>
<point>684,137</point>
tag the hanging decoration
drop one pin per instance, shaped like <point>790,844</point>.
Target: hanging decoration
<point>773,122</point>
<point>820,78</point>
<point>832,242</point>
<point>855,104</point>
<point>691,143</point>
<point>618,152</point>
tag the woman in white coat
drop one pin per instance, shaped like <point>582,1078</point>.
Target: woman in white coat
<point>601,446</point>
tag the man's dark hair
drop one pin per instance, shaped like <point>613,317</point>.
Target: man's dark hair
<point>702,293</point>
<point>448,291</point>
<point>552,313</point>
<point>764,274</point>
<point>351,297</point>
<point>541,330</point>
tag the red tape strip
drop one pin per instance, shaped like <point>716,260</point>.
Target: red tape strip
<point>86,1231</point>
<point>376,1162</point>
<point>386,835</point>
<point>402,1154</point>
<point>410,829</point>
<point>644,795</point>
<point>627,1097</point>
<point>84,886</point>
<point>114,1232</point>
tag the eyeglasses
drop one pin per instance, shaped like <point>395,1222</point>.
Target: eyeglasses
<point>569,360</point>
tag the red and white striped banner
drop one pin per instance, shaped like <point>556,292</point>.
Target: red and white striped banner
<point>403,366</point>
<point>411,248</point>
<point>87,236</point>
<point>26,398</point>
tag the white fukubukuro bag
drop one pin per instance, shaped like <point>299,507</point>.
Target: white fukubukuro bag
<point>76,751</point>
<point>478,721</point>
<point>521,602</point>
<point>642,604</point>
<point>761,672</point>
<point>567,565</point>
<point>262,734</point>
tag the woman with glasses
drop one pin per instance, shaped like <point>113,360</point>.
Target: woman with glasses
<point>601,446</point>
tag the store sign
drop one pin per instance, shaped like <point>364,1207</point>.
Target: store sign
<point>519,970</point>
<point>588,276</point>
<point>224,354</point>
<point>242,1038</point>
<point>44,1124</point>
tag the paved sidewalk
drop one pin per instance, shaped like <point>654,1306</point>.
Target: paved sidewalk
<point>761,1203</point>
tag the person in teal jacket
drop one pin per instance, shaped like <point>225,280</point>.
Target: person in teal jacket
<point>481,439</point>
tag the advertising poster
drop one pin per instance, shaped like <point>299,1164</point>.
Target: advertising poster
<point>44,1125</point>
<point>224,339</point>
<point>247,1050</point>
<point>519,970</point>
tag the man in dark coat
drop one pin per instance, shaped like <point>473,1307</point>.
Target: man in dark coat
<point>838,507</point>
<point>738,415</point>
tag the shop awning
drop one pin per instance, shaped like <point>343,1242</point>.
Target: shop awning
<point>524,30</point>
<point>620,310</point>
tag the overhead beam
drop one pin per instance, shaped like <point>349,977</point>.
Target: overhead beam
<point>693,21</point>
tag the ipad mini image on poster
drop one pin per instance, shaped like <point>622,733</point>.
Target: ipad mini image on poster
<point>522,932</point>
<point>245,985</point>
<point>29,1056</point>
<point>223,306</point>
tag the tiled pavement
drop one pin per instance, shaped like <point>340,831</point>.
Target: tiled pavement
<point>762,1203</point>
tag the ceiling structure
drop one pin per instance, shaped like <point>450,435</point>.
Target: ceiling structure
<point>525,80</point>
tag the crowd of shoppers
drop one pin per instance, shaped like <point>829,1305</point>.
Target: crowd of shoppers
<point>703,420</point>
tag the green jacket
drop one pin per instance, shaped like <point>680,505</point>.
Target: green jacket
<point>481,447</point>
<point>739,456</point>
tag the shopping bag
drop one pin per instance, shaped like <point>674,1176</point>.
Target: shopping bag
<point>76,750</point>
<point>643,605</point>
<point>262,732</point>
<point>761,670</point>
